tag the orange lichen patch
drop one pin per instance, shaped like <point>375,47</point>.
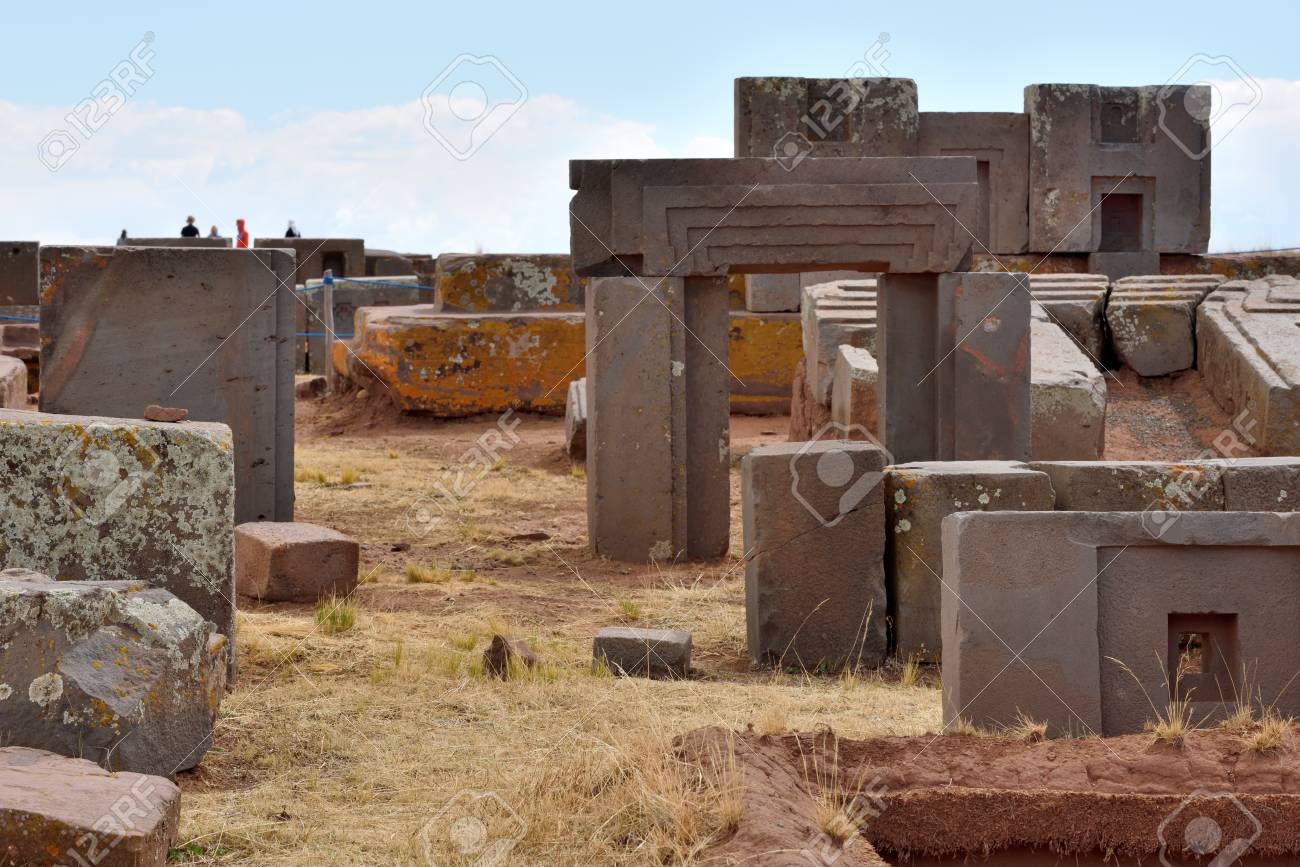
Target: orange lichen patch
<point>508,282</point>
<point>736,291</point>
<point>457,364</point>
<point>764,350</point>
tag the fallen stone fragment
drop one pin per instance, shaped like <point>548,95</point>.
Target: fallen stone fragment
<point>292,561</point>
<point>505,651</point>
<point>308,388</point>
<point>57,810</point>
<point>154,412</point>
<point>118,672</point>
<point>646,652</point>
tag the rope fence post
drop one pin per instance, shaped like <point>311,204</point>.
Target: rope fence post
<point>331,375</point>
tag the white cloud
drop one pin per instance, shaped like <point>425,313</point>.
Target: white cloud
<point>376,173</point>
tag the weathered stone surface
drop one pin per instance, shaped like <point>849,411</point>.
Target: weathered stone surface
<point>1135,486</point>
<point>1000,142</point>
<point>857,214</point>
<point>647,652</point>
<point>807,416</point>
<point>345,257</point>
<point>460,364</point>
<point>1075,594</point>
<point>173,414</point>
<point>1157,196</point>
<point>1117,265</point>
<point>95,499</point>
<point>1248,356</point>
<point>294,562</point>
<point>1152,321</point>
<point>19,273</point>
<point>1077,303</point>
<point>387,263</point>
<point>814,529</point>
<point>918,496</point>
<point>657,415</point>
<point>114,671</point>
<point>1261,484</point>
<point>855,392</point>
<point>763,350</point>
<point>575,420</point>
<point>13,383</point>
<point>350,294</point>
<point>217,324</point>
<point>791,118</point>
<point>508,283</point>
<point>21,340</point>
<point>505,655</point>
<point>175,241</point>
<point>772,293</point>
<point>57,810</point>
<point>309,387</point>
<point>834,314</point>
<point>1067,396</point>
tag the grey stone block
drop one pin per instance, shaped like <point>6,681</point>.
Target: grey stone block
<point>1128,146</point>
<point>1152,321</point>
<point>1118,265</point>
<point>646,652</point>
<point>575,421</point>
<point>206,330</point>
<point>814,529</point>
<point>95,499</point>
<point>19,273</point>
<point>350,295</point>
<point>114,671</point>
<point>789,118</point>
<point>1000,142</point>
<point>211,243</point>
<point>1077,303</point>
<point>918,496</point>
<point>1260,484</point>
<point>1067,398</point>
<point>13,383</point>
<point>855,392</point>
<point>50,803</point>
<point>1135,486</point>
<point>834,314</point>
<point>772,293</point>
<point>1075,594</point>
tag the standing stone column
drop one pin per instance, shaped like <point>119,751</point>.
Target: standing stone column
<point>658,416</point>
<point>906,340</point>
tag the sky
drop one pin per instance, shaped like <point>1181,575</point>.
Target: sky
<point>367,119</point>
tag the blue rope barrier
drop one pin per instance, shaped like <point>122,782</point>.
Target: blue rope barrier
<point>20,318</point>
<point>321,334</point>
<point>368,281</point>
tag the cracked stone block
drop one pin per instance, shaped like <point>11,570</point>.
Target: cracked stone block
<point>118,672</point>
<point>1135,486</point>
<point>1077,303</point>
<point>646,652</point>
<point>918,496</point>
<point>835,314</point>
<point>13,383</point>
<point>76,812</point>
<point>1067,396</point>
<point>814,530</point>
<point>1152,321</point>
<point>294,561</point>
<point>101,499</point>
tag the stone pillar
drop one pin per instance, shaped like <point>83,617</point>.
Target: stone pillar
<point>658,446</point>
<point>906,312</point>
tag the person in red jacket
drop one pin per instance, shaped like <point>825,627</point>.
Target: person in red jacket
<point>241,234</point>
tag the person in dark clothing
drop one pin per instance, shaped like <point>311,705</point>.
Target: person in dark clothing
<point>190,230</point>
<point>292,231</point>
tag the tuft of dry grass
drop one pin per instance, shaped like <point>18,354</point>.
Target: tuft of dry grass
<point>628,611</point>
<point>1272,734</point>
<point>1027,729</point>
<point>911,674</point>
<point>772,721</point>
<point>306,475</point>
<point>335,615</point>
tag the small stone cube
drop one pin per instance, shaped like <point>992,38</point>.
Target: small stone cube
<point>647,652</point>
<point>292,561</point>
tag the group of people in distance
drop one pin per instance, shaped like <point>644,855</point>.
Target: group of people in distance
<point>241,233</point>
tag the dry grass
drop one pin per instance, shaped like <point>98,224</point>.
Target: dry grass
<point>1027,729</point>
<point>359,746</point>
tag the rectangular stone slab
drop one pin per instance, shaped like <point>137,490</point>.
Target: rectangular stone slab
<point>207,330</point>
<point>1069,592</point>
<point>702,217</point>
<point>101,499</point>
<point>785,116</point>
<point>508,283</point>
<point>19,273</point>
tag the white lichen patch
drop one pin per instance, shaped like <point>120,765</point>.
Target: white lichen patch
<point>983,499</point>
<point>535,282</point>
<point>661,551</point>
<point>903,526</point>
<point>46,689</point>
<point>679,367</point>
<point>5,691</point>
<point>900,497</point>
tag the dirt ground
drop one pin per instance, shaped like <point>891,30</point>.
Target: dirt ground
<point>384,743</point>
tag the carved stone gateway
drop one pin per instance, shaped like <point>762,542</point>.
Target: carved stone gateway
<point>661,236</point>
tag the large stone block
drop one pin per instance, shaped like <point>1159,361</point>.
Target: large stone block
<point>1152,321</point>
<point>792,118</point>
<point>207,330</point>
<point>1118,264</point>
<point>56,810</point>
<point>1260,484</point>
<point>95,499</point>
<point>814,528</point>
<point>1067,396</point>
<point>387,263</point>
<point>350,295</point>
<point>1000,143</point>
<point>294,562</point>
<point>918,496</point>
<point>657,415</point>
<point>1250,359</point>
<point>855,393</point>
<point>115,671</point>
<point>345,257</point>
<point>172,241</point>
<point>763,350</point>
<point>648,652</point>
<point>13,383</point>
<point>1082,620</point>
<point>808,418</point>
<point>1077,303</point>
<point>835,314</point>
<point>461,364</point>
<point>508,283</point>
<point>1139,149</point>
<point>1135,486</point>
<point>19,273</point>
<point>708,218</point>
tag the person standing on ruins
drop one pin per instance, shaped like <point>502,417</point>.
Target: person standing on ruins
<point>190,230</point>
<point>241,234</point>
<point>292,231</point>
<point>213,233</point>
